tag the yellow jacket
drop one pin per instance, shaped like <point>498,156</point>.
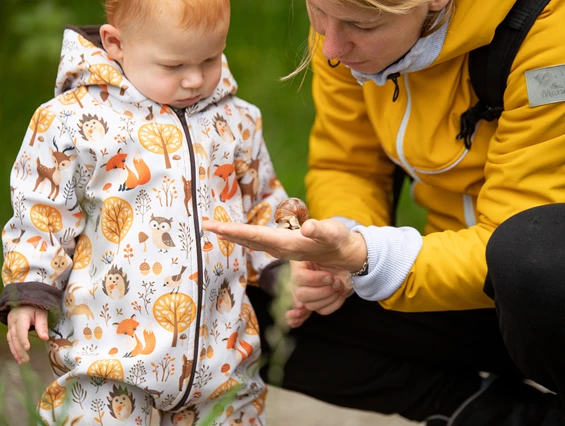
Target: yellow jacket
<point>514,163</point>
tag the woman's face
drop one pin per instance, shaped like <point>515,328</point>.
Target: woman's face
<point>367,40</point>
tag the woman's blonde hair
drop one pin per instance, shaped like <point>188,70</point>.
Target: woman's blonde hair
<point>395,7</point>
<point>133,14</point>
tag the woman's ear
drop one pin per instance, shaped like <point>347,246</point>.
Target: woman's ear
<point>437,5</point>
<point>112,41</point>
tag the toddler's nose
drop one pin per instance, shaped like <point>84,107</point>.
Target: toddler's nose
<point>193,79</point>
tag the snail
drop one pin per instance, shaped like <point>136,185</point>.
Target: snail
<point>291,213</point>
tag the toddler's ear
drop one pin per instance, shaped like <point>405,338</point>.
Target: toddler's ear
<point>112,41</point>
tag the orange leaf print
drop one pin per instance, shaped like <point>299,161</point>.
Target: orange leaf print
<point>83,253</point>
<point>251,324</point>
<point>226,247</point>
<point>15,268</point>
<point>74,96</point>
<point>104,74</point>
<point>246,134</point>
<point>162,139</point>
<point>223,388</point>
<point>260,214</point>
<point>108,369</point>
<point>53,397</point>
<point>259,403</point>
<point>46,219</point>
<point>85,43</point>
<point>175,313</point>
<point>40,122</point>
<point>117,219</point>
<point>240,168</point>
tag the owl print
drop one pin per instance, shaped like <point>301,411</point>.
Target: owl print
<point>160,232</point>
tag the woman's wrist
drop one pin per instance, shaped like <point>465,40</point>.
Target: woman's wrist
<point>355,254</point>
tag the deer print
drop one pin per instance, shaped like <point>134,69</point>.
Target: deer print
<point>186,371</point>
<point>55,347</point>
<point>249,190</point>
<point>187,193</point>
<point>61,161</point>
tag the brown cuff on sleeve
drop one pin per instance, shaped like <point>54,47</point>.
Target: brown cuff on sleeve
<point>36,294</point>
<point>269,276</point>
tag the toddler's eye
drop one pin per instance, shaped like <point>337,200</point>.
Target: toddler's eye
<point>172,67</point>
<point>363,29</point>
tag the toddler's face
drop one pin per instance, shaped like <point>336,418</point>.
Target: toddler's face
<point>174,66</point>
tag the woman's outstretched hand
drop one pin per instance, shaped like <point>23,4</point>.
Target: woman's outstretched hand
<point>328,242</point>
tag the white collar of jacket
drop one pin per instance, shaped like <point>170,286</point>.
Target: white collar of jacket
<point>91,66</point>
<point>422,55</point>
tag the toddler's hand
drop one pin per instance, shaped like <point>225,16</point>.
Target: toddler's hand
<point>20,319</point>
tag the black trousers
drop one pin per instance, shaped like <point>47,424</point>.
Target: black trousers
<point>421,364</point>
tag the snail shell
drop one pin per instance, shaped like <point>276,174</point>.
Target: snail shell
<point>289,212</point>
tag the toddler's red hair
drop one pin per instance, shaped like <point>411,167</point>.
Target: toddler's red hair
<point>202,14</point>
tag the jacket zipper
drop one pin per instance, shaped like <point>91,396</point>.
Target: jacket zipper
<point>402,132</point>
<point>394,79</point>
<point>181,115</point>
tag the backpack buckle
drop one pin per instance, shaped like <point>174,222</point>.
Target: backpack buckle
<point>472,116</point>
<point>490,113</point>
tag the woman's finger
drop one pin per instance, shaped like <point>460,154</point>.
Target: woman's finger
<point>332,307</point>
<point>322,302</point>
<point>309,294</point>
<point>311,278</point>
<point>296,317</point>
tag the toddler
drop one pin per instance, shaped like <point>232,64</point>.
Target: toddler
<point>144,140</point>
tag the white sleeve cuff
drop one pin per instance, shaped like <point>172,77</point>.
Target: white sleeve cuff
<point>392,252</point>
<point>350,223</point>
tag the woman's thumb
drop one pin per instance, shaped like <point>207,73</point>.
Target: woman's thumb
<point>312,229</point>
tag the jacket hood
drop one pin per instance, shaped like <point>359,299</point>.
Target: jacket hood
<point>472,25</point>
<point>88,64</point>
<point>466,30</point>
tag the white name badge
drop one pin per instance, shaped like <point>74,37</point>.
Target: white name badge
<point>546,85</point>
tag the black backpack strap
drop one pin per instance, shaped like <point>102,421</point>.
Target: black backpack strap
<point>489,66</point>
<point>398,177</point>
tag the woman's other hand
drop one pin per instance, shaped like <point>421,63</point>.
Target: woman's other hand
<point>315,288</point>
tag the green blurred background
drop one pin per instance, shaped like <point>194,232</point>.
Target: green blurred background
<point>266,41</point>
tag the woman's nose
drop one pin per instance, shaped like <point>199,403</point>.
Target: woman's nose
<point>335,44</point>
<point>193,79</point>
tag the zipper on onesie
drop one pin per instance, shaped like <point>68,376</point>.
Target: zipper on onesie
<point>181,115</point>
